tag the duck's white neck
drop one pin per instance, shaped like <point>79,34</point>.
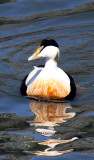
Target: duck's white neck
<point>50,63</point>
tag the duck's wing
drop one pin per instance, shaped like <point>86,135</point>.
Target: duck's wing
<point>33,75</point>
<point>28,79</point>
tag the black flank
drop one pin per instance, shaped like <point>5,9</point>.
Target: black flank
<point>72,94</point>
<point>23,87</point>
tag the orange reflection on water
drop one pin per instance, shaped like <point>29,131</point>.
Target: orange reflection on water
<point>50,114</point>
<point>52,143</point>
<point>52,153</point>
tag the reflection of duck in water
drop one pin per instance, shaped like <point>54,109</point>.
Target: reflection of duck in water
<point>48,82</point>
<point>51,153</point>
<point>50,114</point>
<point>52,143</point>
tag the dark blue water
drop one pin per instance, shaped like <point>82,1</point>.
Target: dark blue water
<point>26,124</point>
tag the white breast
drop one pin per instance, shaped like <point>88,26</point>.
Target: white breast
<point>53,84</point>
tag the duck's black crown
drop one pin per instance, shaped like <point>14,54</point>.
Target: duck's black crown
<point>49,42</point>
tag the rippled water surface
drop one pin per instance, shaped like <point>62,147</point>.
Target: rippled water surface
<point>44,130</point>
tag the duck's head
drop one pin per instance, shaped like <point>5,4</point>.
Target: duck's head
<point>48,48</point>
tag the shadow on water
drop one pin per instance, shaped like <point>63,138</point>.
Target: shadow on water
<point>7,1</point>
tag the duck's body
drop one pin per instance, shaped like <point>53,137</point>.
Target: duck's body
<point>49,82</point>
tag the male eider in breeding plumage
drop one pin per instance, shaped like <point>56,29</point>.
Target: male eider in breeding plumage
<point>49,81</point>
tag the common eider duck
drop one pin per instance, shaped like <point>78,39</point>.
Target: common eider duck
<point>48,81</point>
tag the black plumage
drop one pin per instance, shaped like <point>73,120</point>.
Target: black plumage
<point>23,86</point>
<point>72,93</point>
